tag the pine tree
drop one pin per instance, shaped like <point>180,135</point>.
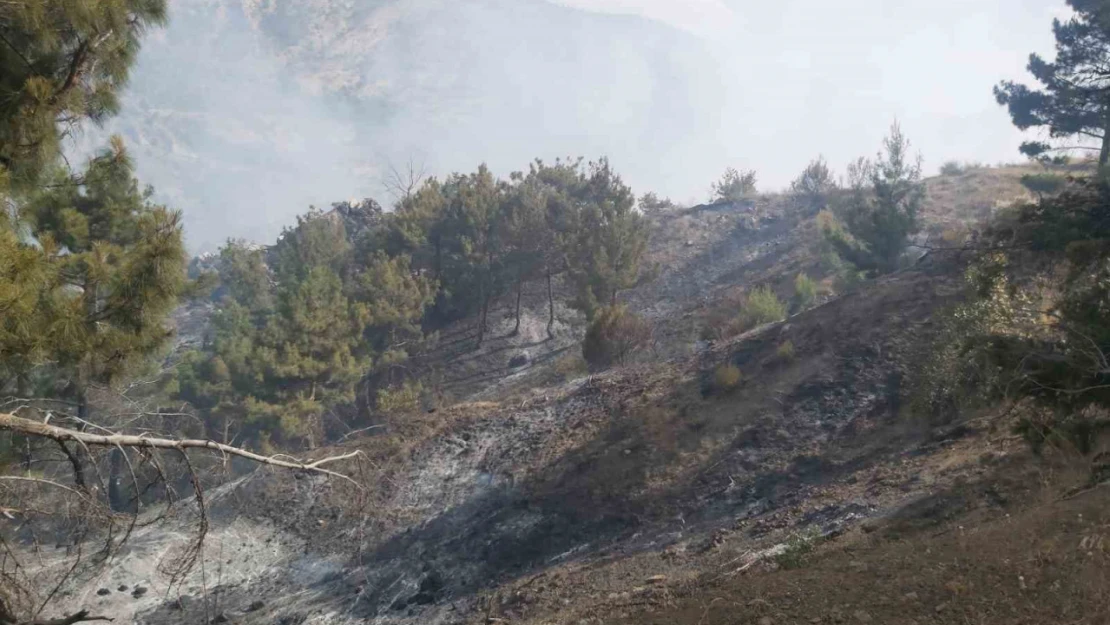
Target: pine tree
<point>245,277</point>
<point>475,211</point>
<point>1072,99</point>
<point>61,63</point>
<point>608,242</point>
<point>394,299</point>
<point>881,217</point>
<point>113,266</point>
<point>526,235</point>
<point>318,240</point>
<point>557,186</point>
<point>292,343</point>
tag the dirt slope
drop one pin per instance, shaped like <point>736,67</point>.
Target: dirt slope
<point>602,483</point>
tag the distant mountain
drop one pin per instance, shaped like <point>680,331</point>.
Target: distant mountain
<point>244,112</point>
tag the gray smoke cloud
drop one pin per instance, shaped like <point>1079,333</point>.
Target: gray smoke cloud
<point>242,113</point>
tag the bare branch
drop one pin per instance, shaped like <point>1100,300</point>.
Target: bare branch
<point>401,184</point>
<point>37,480</point>
<point>80,617</point>
<point>33,428</point>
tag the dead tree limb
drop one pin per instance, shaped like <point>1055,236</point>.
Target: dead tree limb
<point>79,617</point>
<point>28,427</point>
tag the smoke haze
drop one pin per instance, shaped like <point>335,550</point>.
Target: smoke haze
<point>242,113</point>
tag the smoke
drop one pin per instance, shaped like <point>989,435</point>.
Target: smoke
<point>242,113</point>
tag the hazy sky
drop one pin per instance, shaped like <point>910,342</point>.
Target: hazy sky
<point>809,76</point>
<point>243,112</point>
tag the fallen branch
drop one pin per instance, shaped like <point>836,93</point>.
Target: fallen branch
<point>80,617</point>
<point>6,618</point>
<point>28,427</point>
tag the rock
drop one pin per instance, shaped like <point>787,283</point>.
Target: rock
<point>910,596</point>
<point>518,361</point>
<point>657,579</point>
<point>256,606</point>
<point>941,608</point>
<point>220,618</point>
<point>139,591</point>
<point>103,591</point>
<point>766,620</point>
<point>122,588</point>
<point>862,617</point>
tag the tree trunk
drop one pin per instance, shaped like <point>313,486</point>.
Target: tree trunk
<point>482,296</point>
<point>438,259</point>
<point>550,307</point>
<point>519,291</point>
<point>116,498</point>
<point>1104,155</point>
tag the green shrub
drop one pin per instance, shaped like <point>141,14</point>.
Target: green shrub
<point>400,399</point>
<point>760,307</point>
<point>785,351</point>
<point>798,549</point>
<point>613,337</point>
<point>1080,432</point>
<point>951,168</point>
<point>812,187</point>
<point>805,291</point>
<point>1044,184</point>
<point>734,186</point>
<point>651,204</point>
<point>726,377</point>
<point>571,366</point>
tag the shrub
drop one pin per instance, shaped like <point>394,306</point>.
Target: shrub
<point>726,377</point>
<point>734,186</point>
<point>805,291</point>
<point>812,187</point>
<point>797,549</point>
<point>400,399</point>
<point>760,307</point>
<point>1079,431</point>
<point>951,168</point>
<point>785,352</point>
<point>1043,184</point>
<point>651,204</point>
<point>571,366</point>
<point>613,337</point>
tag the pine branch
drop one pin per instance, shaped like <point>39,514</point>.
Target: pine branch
<point>17,51</point>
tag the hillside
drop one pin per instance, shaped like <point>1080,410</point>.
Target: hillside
<point>540,494</point>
